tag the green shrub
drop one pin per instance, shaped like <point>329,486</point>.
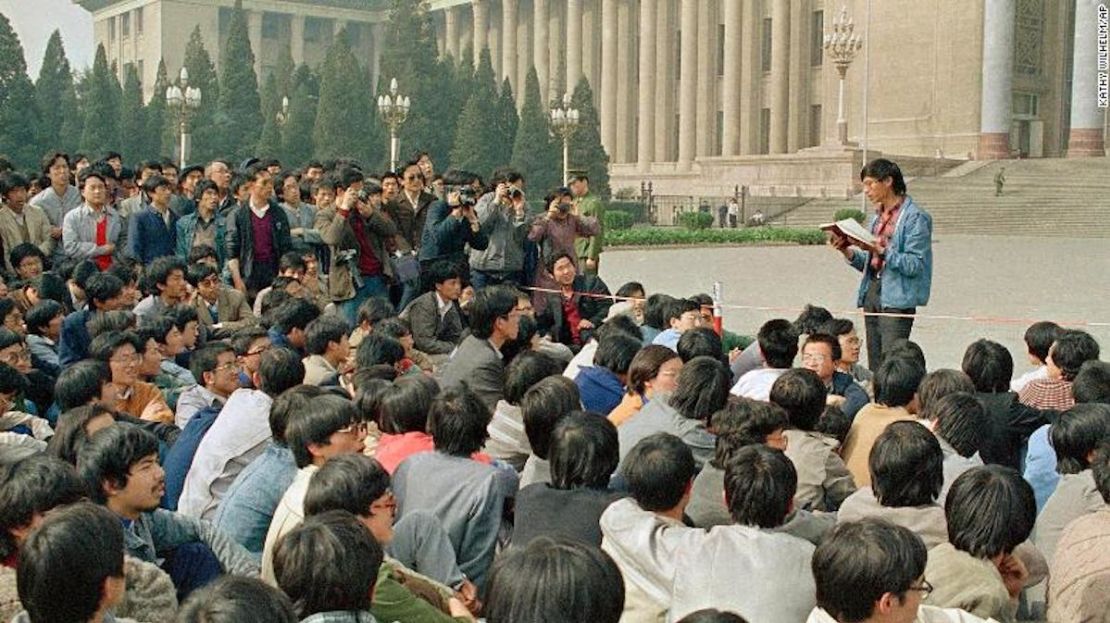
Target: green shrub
<point>696,220</point>
<point>852,213</point>
<point>658,236</point>
<point>634,209</point>
<point>616,219</point>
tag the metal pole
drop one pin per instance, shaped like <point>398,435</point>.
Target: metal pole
<point>184,142</point>
<point>866,91</point>
<point>566,158</point>
<point>841,119</point>
<point>393,145</point>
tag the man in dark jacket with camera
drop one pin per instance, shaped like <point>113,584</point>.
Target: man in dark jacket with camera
<point>451,226</point>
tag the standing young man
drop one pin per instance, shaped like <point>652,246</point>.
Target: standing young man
<point>257,237</point>
<point>588,204</point>
<point>898,268</point>
<point>95,230</point>
<point>152,229</point>
<point>21,223</point>
<point>204,226</point>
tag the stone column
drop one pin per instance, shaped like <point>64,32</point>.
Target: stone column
<point>379,37</point>
<point>687,109</point>
<point>296,39</point>
<point>996,109</point>
<point>441,38</point>
<point>625,56</point>
<point>750,98</point>
<point>508,43</point>
<point>1088,121</point>
<point>556,40</point>
<point>574,43</point>
<point>481,35</point>
<point>646,124</point>
<point>495,43</point>
<point>798,106</point>
<point>731,85</point>
<point>706,78</point>
<point>523,53</point>
<point>664,81</point>
<point>591,47</point>
<point>780,75</point>
<point>539,46</point>
<point>451,31</point>
<point>609,44</point>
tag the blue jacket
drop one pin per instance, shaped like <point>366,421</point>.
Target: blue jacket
<point>187,225</point>
<point>446,237</point>
<point>908,270</point>
<point>600,389</point>
<point>248,506</point>
<point>148,236</point>
<point>180,457</point>
<point>854,396</point>
<point>73,344</point>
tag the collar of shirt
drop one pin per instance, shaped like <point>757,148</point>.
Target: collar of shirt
<point>442,305</point>
<point>259,212</point>
<point>494,347</point>
<point>415,201</point>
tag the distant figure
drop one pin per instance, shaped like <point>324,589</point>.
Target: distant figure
<point>722,215</point>
<point>733,212</point>
<point>757,219</point>
<point>999,181</point>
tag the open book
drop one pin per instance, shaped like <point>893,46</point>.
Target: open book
<point>852,230</point>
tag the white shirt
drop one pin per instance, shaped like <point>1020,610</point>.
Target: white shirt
<point>1038,373</point>
<point>925,614</point>
<point>757,383</point>
<point>442,305</point>
<point>583,359</point>
<point>260,212</point>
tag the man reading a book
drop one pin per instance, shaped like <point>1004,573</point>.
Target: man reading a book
<point>896,259</point>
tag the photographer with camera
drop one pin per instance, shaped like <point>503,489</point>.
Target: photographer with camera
<point>356,229</point>
<point>555,232</point>
<point>502,215</point>
<point>451,225</point>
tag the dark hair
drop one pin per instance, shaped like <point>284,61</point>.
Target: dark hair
<point>330,562</point>
<point>555,581</point>
<point>1039,338</point>
<point>30,487</point>
<point>64,563</point>
<point>802,395</point>
<point>241,339</point>
<point>743,422</point>
<point>836,327</point>
<point>117,320</point>
<point>860,561</point>
<point>49,159</point>
<point>442,271</point>
<point>1077,433</point>
<point>201,187</point>
<point>674,308</point>
<point>1100,467</point>
<point>10,180</point>
<point>279,369</point>
<point>40,316</point>
<point>659,470</point>
<point>109,455</point>
<point>488,305</point>
<point>961,421</point>
<point>292,400</point>
<point>760,483</point>
<point>525,370</point>
<point>700,342</point>
<point>654,308</point>
<point>80,383</point>
<point>880,169</point>
<point>712,615</point>
<point>906,465</point>
<point>102,287</point>
<point>646,364</point>
<point>156,328</point>
<point>550,261</point>
<point>829,340</point>
<point>323,330</point>
<point>1071,350</point>
<point>903,348</point>
<point>51,287</point>
<point>896,381</point>
<point>701,389</point>
<point>615,353</point>
<point>11,380</point>
<point>404,406</point>
<point>350,482</point>
<point>376,349</point>
<point>584,451</point>
<point>628,289</point>
<point>23,251</point>
<point>206,359</point>
<point>834,423</point>
<point>1092,384</point>
<point>543,405</point>
<point>375,309</point>
<point>106,344</point>
<point>369,392</point>
<point>938,384</point>
<point>294,313</point>
<point>70,432</point>
<point>810,320</point>
<point>328,415</point>
<point>160,270</point>
<point>619,325</point>
<point>457,422</point>
<point>778,342</point>
<point>236,598</point>
<point>990,510</point>
<point>989,365</point>
<point>155,182</point>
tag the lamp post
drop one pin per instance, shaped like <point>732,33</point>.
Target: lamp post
<point>183,100</point>
<point>394,108</point>
<point>842,45</point>
<point>282,116</point>
<point>564,122</point>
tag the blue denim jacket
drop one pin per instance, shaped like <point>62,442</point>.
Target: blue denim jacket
<point>248,507</point>
<point>908,269</point>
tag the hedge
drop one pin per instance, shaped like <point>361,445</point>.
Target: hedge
<point>658,236</point>
<point>696,220</point>
<point>616,219</point>
<point>634,209</point>
<point>851,213</point>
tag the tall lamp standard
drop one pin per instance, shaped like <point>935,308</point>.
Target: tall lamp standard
<point>183,100</point>
<point>394,108</point>
<point>564,122</point>
<point>842,45</point>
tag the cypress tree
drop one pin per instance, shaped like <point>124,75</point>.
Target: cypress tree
<point>535,154</point>
<point>240,109</point>
<point>159,136</point>
<point>586,151</point>
<point>101,131</point>
<point>206,143</point>
<point>18,115</point>
<point>507,119</point>
<point>477,148</point>
<point>56,98</point>
<point>132,118</point>
<point>284,72</point>
<point>345,120</point>
<point>297,146</point>
<point>269,145</point>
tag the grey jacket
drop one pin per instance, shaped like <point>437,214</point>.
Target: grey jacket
<point>79,233</point>
<point>432,333</point>
<point>506,232</point>
<point>477,363</point>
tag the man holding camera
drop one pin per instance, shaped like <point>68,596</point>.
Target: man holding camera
<point>451,225</point>
<point>501,214</point>
<point>356,230</point>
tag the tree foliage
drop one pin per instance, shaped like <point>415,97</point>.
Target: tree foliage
<point>159,139</point>
<point>132,118</point>
<point>101,104</point>
<point>18,115</point>
<point>507,119</point>
<point>240,110</point>
<point>269,144</point>
<point>56,98</point>
<point>206,143</point>
<point>535,154</point>
<point>345,119</point>
<point>479,142</point>
<point>586,151</point>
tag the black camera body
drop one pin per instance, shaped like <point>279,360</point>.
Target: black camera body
<point>467,196</point>
<point>515,193</point>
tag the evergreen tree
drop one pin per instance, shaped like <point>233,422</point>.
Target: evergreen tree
<point>159,135</point>
<point>55,97</point>
<point>284,72</point>
<point>297,147</point>
<point>101,106</point>
<point>18,117</point>
<point>269,145</point>
<point>205,135</point>
<point>132,118</point>
<point>507,119</point>
<point>479,145</point>
<point>535,154</point>
<point>346,118</point>
<point>240,110</point>
<point>586,152</point>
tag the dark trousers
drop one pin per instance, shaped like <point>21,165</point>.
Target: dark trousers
<point>482,279</point>
<point>191,566</point>
<point>882,331</point>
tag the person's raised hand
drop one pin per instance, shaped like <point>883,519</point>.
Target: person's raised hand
<point>1014,574</point>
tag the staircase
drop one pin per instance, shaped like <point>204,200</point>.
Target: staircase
<point>1046,197</point>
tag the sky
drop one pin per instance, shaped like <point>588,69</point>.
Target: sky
<point>34,20</point>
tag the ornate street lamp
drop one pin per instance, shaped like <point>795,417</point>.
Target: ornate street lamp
<point>564,123</point>
<point>183,100</point>
<point>282,116</point>
<point>394,108</point>
<point>842,45</point>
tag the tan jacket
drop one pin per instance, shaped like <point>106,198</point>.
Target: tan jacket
<point>868,424</point>
<point>232,309</point>
<point>38,228</point>
<point>339,236</point>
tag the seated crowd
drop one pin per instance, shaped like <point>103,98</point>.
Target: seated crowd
<point>380,401</point>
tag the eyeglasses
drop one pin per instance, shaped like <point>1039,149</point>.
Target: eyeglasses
<point>258,351</point>
<point>389,502</point>
<point>230,365</point>
<point>852,341</point>
<point>127,360</point>
<point>12,358</point>
<point>925,588</point>
<point>357,428</point>
<point>814,358</point>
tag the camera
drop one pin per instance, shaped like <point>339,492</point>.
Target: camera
<point>346,256</point>
<point>467,196</point>
<point>515,193</point>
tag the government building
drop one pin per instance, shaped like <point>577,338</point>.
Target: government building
<point>725,93</point>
